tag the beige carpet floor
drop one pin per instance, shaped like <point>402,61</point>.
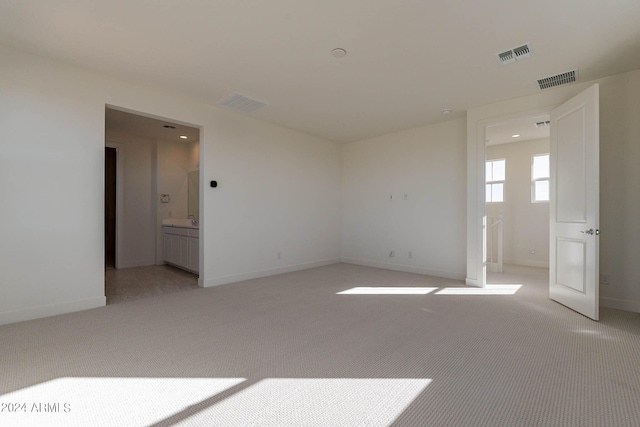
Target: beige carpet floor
<point>291,350</point>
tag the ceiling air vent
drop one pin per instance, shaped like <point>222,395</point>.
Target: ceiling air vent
<point>514,54</point>
<point>241,103</point>
<point>522,52</point>
<point>506,57</point>
<point>542,124</point>
<point>558,79</point>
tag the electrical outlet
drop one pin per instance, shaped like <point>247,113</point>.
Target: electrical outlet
<point>392,254</point>
<point>532,250</point>
<point>604,279</point>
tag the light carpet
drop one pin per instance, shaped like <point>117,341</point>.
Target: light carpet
<point>289,350</point>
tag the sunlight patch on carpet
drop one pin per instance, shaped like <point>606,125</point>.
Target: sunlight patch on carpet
<point>314,402</point>
<point>487,290</point>
<point>109,401</point>
<point>386,291</point>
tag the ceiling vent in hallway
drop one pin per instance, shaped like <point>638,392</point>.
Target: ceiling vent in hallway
<point>515,54</point>
<point>241,103</point>
<point>558,79</point>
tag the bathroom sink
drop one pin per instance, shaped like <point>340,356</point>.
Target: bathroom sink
<point>177,222</point>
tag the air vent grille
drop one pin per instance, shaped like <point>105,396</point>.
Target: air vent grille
<point>515,54</point>
<point>506,57</point>
<point>542,124</point>
<point>241,103</point>
<point>523,51</point>
<point>558,79</point>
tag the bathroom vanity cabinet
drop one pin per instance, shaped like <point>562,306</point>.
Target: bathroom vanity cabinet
<point>181,247</point>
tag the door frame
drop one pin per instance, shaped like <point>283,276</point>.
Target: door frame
<point>476,197</point>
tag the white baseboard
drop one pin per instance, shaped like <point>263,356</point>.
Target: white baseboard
<point>406,268</point>
<point>619,304</point>
<point>139,263</point>
<point>471,282</point>
<point>526,262</point>
<point>263,273</point>
<point>51,310</point>
<point>492,267</point>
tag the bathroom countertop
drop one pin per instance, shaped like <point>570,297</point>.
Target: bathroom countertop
<point>180,222</point>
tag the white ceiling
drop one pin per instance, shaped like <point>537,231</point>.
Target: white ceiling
<point>121,121</point>
<point>502,133</point>
<point>406,60</point>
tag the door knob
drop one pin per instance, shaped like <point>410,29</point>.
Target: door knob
<point>589,231</point>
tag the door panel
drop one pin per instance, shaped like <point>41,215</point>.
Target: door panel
<point>570,273</point>
<point>570,158</point>
<point>574,204</point>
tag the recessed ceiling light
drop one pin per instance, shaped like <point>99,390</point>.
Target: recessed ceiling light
<point>515,135</point>
<point>183,136</point>
<point>446,111</point>
<point>338,52</point>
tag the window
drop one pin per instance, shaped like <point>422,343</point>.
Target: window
<point>495,180</point>
<point>540,178</point>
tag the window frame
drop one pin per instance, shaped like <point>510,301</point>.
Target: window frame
<point>540,179</point>
<point>503,181</point>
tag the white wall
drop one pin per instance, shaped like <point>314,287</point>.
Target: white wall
<point>427,164</point>
<point>171,177</point>
<point>51,181</point>
<point>194,156</point>
<point>279,189</point>
<point>619,190</point>
<point>526,224</point>
<point>619,178</point>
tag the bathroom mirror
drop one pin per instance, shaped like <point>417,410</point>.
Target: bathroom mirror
<point>194,194</point>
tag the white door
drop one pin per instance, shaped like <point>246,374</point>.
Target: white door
<point>574,205</point>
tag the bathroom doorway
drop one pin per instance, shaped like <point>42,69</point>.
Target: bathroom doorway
<point>152,176</point>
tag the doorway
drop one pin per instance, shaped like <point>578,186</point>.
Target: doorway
<point>517,171</point>
<point>110,206</point>
<point>476,189</point>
